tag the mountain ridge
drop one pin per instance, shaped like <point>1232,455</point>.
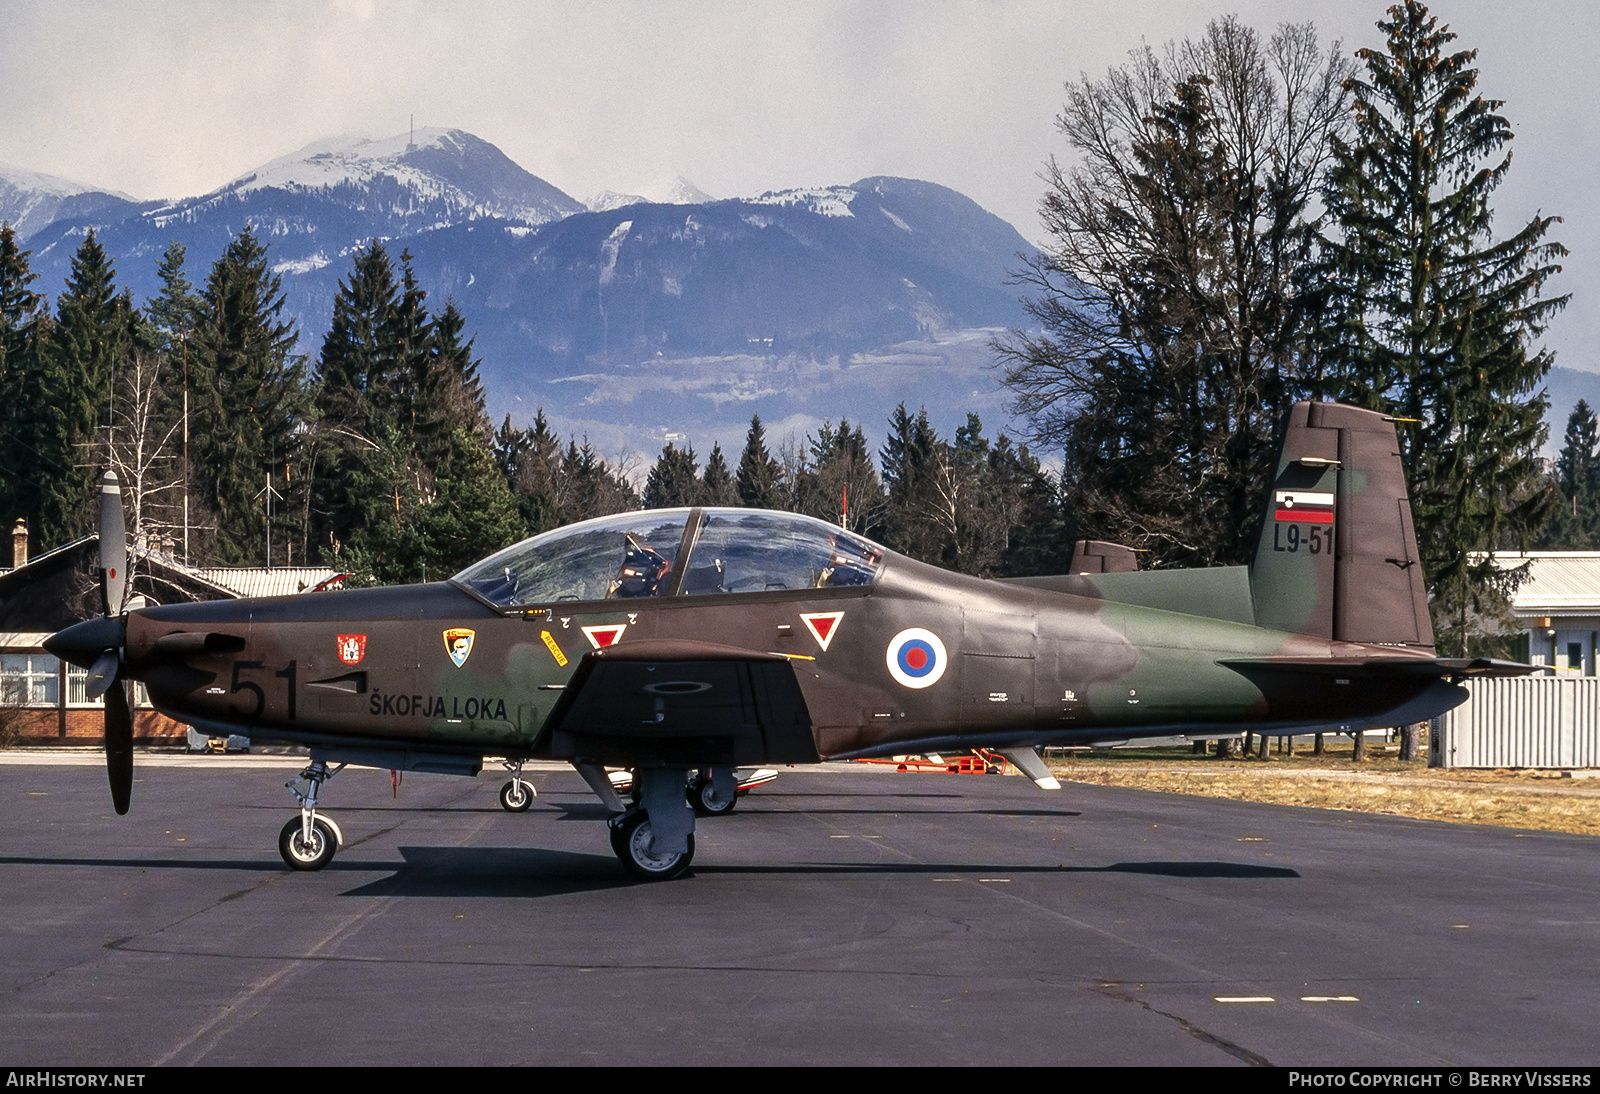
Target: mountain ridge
<point>706,312</point>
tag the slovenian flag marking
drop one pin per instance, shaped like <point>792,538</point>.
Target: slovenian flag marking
<point>1302,506</point>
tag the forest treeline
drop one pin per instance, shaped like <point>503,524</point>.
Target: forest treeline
<point>378,458</point>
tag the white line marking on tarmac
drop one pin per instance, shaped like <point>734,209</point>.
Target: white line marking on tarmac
<point>1330,999</point>
<point>1243,999</point>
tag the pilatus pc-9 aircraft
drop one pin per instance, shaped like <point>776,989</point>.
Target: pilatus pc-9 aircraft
<point>685,644</point>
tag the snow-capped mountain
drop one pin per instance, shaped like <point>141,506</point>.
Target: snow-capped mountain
<point>675,311</point>
<point>446,174</point>
<point>674,190</point>
<point>30,200</point>
<point>313,207</point>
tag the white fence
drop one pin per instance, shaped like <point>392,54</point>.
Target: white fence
<point>1528,721</point>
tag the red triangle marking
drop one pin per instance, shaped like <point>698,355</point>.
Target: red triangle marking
<point>603,636</point>
<point>823,626</point>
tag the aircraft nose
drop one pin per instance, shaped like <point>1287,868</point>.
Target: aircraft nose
<point>82,643</point>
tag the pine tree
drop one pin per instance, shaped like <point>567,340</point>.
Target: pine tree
<point>530,462</point>
<point>908,460</point>
<point>1432,318</point>
<point>841,484</point>
<point>170,320</point>
<point>360,367</point>
<point>591,487</point>
<point>760,476</point>
<point>717,486</point>
<point>363,443</point>
<point>452,380</point>
<point>1575,525</point>
<point>250,405</point>
<point>71,395</point>
<point>674,480</point>
<point>23,319</point>
<point>1039,536</point>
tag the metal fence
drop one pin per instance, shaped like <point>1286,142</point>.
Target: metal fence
<point>1530,721</point>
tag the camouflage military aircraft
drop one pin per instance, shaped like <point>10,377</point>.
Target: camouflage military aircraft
<point>685,644</point>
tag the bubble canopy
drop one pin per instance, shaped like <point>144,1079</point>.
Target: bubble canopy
<point>637,555</point>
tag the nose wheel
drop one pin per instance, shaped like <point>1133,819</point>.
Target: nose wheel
<point>302,853</point>
<point>516,796</point>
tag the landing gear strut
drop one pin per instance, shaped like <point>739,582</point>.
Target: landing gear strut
<point>654,838</point>
<point>516,796</point>
<point>308,842</point>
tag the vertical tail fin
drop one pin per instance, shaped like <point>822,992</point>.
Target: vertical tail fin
<point>1337,557</point>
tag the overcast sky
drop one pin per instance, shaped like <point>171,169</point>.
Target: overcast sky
<point>173,99</point>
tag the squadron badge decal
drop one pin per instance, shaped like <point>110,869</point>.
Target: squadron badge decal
<point>916,658</point>
<point>352,648</point>
<point>458,644</point>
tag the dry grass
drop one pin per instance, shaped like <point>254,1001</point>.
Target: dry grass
<point>1514,799</point>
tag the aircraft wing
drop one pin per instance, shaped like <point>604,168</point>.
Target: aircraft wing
<point>683,703</point>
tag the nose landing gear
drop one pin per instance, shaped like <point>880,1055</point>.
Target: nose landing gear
<point>308,842</point>
<point>516,796</point>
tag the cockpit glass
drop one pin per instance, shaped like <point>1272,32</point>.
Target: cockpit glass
<point>742,551</point>
<point>609,558</point>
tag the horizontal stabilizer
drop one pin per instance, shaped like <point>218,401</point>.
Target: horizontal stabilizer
<point>1452,668</point>
<point>1214,592</point>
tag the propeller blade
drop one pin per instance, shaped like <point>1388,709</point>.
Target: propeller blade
<point>113,545</point>
<point>119,747</point>
<point>102,674</point>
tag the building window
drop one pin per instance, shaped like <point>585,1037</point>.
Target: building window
<point>30,679</point>
<point>78,690</point>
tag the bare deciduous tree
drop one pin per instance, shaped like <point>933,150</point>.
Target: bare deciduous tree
<point>1166,302</point>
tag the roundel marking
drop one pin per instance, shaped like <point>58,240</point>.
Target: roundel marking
<point>916,658</point>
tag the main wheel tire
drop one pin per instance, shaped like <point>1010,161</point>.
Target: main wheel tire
<point>705,803</point>
<point>301,855</point>
<point>516,796</point>
<point>630,839</point>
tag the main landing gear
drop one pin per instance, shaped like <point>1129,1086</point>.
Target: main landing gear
<point>654,837</point>
<point>308,842</point>
<point>516,796</point>
<point>713,791</point>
